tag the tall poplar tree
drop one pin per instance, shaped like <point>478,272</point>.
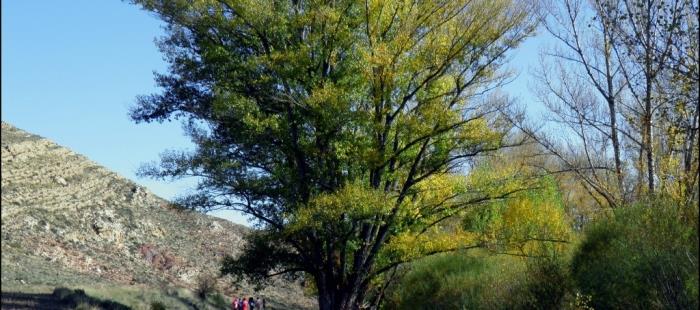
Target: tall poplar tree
<point>341,127</point>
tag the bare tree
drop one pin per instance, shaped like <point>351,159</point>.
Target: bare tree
<point>621,87</point>
<point>580,82</point>
<point>647,31</point>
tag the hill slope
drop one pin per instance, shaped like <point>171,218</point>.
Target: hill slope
<point>66,221</point>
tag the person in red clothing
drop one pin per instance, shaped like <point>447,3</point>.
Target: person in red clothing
<point>234,303</point>
<point>245,304</point>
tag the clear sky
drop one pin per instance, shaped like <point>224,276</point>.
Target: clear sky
<point>72,68</point>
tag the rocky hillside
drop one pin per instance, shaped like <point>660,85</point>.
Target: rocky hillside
<point>67,221</point>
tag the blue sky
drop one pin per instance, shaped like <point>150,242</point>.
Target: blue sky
<point>71,70</point>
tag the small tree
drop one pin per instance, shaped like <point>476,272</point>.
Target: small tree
<point>338,126</point>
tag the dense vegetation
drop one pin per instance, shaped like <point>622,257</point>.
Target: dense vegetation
<point>642,257</point>
<point>645,256</point>
<point>364,140</point>
<point>481,281</point>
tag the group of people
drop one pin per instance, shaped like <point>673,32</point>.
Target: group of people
<point>247,304</point>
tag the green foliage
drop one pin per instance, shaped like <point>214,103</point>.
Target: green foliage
<point>547,283</point>
<point>530,222</point>
<point>459,281</point>
<point>645,256</point>
<point>338,126</point>
<point>530,225</point>
<point>441,282</point>
<point>219,301</point>
<point>157,305</point>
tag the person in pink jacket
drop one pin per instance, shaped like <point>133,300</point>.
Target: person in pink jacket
<point>234,303</point>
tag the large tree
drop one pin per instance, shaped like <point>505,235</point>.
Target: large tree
<point>340,127</point>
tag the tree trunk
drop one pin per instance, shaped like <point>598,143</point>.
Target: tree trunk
<point>648,127</point>
<point>613,118</point>
<point>649,113</point>
<point>337,300</point>
<point>333,296</point>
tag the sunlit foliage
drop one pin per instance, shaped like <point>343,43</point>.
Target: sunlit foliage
<point>339,127</point>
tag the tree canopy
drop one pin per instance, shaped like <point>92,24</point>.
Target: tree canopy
<point>343,128</point>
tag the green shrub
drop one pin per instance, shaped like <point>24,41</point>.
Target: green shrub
<point>62,293</point>
<point>458,281</point>
<point>426,287</point>
<point>645,256</point>
<point>157,305</point>
<point>545,285</point>
<point>219,301</point>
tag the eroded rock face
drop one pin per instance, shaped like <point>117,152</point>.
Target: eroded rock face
<point>91,224</point>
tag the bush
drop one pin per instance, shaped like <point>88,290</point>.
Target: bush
<point>205,285</point>
<point>458,281</point>
<point>545,286</point>
<point>426,285</point>
<point>646,256</point>
<point>157,305</point>
<point>62,293</point>
<point>219,301</point>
